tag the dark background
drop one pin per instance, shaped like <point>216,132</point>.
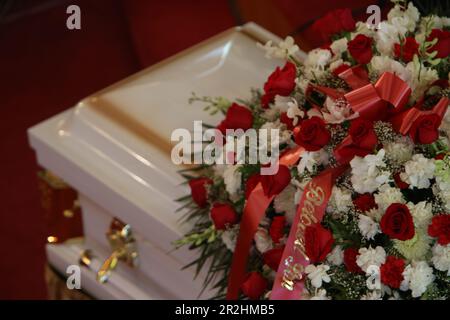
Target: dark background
<point>46,68</point>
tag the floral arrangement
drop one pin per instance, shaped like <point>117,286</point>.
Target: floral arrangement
<point>360,205</point>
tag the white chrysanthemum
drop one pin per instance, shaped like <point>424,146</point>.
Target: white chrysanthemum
<point>337,111</point>
<point>416,277</point>
<point>339,47</point>
<point>382,64</point>
<point>283,50</point>
<point>441,258</point>
<point>401,150</point>
<point>318,274</point>
<point>422,213</point>
<point>229,237</point>
<point>285,202</point>
<point>415,248</point>
<point>388,195</point>
<point>368,227</point>
<point>372,295</point>
<point>232,178</point>
<point>263,241</point>
<point>336,256</point>
<point>341,199</point>
<point>311,159</point>
<point>421,79</point>
<point>418,172</point>
<point>367,173</point>
<point>370,257</point>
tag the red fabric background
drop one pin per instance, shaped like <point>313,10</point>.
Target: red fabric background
<point>46,68</point>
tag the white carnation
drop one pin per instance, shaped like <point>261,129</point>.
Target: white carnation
<point>388,195</point>
<point>382,64</point>
<point>368,227</point>
<point>336,256</point>
<point>339,46</point>
<point>421,213</point>
<point>418,172</point>
<point>315,63</point>
<point>441,258</point>
<point>416,277</point>
<point>370,257</point>
<point>318,274</point>
<point>367,173</point>
<point>401,150</point>
<point>421,79</point>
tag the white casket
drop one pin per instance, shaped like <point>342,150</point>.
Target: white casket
<point>114,149</point>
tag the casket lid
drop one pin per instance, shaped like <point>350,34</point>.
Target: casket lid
<point>114,146</point>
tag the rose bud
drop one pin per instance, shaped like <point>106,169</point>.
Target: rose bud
<point>440,229</point>
<point>237,117</point>
<point>254,285</point>
<point>312,134</point>
<point>391,272</point>
<point>198,190</point>
<point>273,257</point>
<point>365,202</point>
<point>425,129</point>
<point>274,184</point>
<point>350,255</point>
<point>223,215</point>
<point>276,229</point>
<point>397,222</point>
<point>361,48</point>
<point>281,82</point>
<point>318,242</point>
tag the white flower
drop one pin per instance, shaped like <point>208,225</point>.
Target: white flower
<point>441,258</point>
<point>341,199</point>
<point>375,213</point>
<point>283,50</point>
<point>368,227</point>
<point>338,111</point>
<point>281,103</point>
<point>229,237</point>
<point>320,294</point>
<point>302,83</point>
<point>370,257</point>
<point>294,112</point>
<point>311,159</point>
<point>418,172</point>
<point>421,78</point>
<point>336,256</point>
<point>382,64</point>
<point>388,195</point>
<point>318,274</point>
<point>263,241</point>
<point>415,248</point>
<point>339,47</point>
<point>285,202</point>
<point>372,295</point>
<point>232,178</point>
<point>401,150</point>
<point>315,62</point>
<point>367,175</point>
<point>421,213</point>
<point>416,277</point>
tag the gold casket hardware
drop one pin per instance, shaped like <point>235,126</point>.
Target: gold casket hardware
<point>123,247</point>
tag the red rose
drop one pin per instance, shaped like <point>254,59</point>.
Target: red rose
<point>251,183</point>
<point>334,22</point>
<point>287,121</point>
<point>361,48</point>
<point>223,215</point>
<point>273,257</point>
<point>406,51</point>
<point>397,222</point>
<point>312,134</point>
<point>198,190</point>
<point>275,183</point>
<point>365,202</point>
<point>254,285</point>
<point>363,141</point>
<point>399,182</point>
<point>276,229</point>
<point>425,129</point>
<point>237,117</point>
<point>318,242</point>
<point>440,228</point>
<point>443,44</point>
<point>281,82</point>
<point>391,271</point>
<point>350,255</point>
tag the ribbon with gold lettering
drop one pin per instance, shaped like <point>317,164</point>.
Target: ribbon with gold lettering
<point>254,210</point>
<point>288,282</point>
